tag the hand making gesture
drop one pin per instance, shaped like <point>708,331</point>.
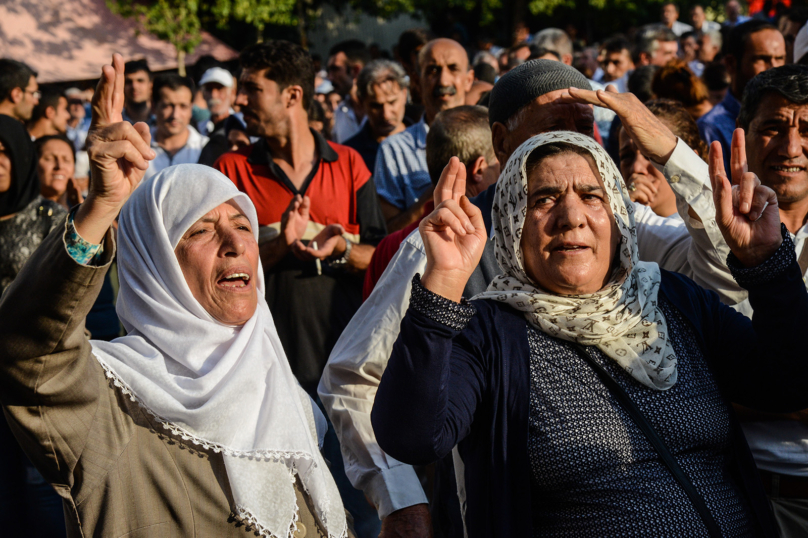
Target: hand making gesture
<point>119,156</point>
<point>454,235</point>
<point>746,211</point>
<point>651,136</point>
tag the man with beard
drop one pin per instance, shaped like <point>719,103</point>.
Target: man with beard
<point>219,91</point>
<point>381,89</point>
<point>173,139</point>
<point>315,200</point>
<point>533,98</point>
<point>401,173</point>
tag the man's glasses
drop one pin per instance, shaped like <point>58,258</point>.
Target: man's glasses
<point>35,94</point>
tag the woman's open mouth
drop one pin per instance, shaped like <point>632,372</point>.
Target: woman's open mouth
<point>235,281</point>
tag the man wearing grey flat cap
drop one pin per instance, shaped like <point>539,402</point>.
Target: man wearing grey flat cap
<point>531,99</point>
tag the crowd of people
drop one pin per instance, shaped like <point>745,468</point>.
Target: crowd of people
<point>461,288</point>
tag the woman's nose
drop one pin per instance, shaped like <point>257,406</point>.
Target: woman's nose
<point>232,243</point>
<point>570,212</point>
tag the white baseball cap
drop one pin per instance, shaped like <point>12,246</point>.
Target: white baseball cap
<point>218,75</point>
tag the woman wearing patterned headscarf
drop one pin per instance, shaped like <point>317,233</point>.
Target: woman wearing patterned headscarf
<point>535,380</point>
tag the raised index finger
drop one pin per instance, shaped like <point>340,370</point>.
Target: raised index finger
<point>737,162</point>
<point>107,103</point>
<point>453,173</point>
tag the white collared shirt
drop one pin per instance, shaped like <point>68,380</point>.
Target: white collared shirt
<point>189,154</point>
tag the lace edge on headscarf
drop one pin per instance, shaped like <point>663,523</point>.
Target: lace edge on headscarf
<point>287,457</point>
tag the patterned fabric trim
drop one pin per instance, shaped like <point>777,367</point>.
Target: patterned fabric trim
<point>454,315</point>
<point>769,270</point>
<point>82,251</point>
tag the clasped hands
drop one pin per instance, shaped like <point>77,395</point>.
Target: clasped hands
<point>329,242</point>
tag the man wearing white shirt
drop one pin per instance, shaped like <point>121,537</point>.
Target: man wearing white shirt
<point>359,358</point>
<point>670,18</point>
<point>700,22</point>
<point>173,139</point>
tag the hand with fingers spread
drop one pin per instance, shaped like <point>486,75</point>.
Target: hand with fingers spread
<point>295,219</point>
<point>119,156</point>
<point>746,211</point>
<point>329,241</point>
<point>454,235</point>
<point>652,137</point>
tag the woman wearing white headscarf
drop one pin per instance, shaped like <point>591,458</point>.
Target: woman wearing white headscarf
<point>192,424</point>
<point>546,382</point>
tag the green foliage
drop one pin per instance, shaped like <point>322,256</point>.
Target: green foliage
<point>258,13</point>
<point>174,21</point>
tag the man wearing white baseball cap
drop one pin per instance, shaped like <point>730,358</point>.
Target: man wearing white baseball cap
<point>218,89</point>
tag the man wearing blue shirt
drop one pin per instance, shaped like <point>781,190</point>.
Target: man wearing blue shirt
<point>752,47</point>
<point>401,174</point>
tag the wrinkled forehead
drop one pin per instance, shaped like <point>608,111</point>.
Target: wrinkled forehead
<point>561,169</point>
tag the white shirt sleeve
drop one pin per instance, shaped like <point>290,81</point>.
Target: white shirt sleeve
<point>706,256</point>
<point>351,377</point>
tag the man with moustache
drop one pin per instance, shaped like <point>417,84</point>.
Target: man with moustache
<point>533,98</point>
<point>401,172</point>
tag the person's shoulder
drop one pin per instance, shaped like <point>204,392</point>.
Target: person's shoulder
<point>51,208</point>
<point>405,138</point>
<point>237,157</point>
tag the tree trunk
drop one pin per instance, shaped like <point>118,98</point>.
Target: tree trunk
<point>181,62</point>
<point>301,25</point>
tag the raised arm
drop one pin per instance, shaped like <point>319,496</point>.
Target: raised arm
<point>760,363</point>
<point>49,385</point>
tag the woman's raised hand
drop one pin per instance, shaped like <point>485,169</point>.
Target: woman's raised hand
<point>746,211</point>
<point>454,235</point>
<point>119,156</point>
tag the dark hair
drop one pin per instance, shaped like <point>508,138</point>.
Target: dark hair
<point>735,44</point>
<point>798,15</point>
<point>172,82</point>
<point>286,64</point>
<point>676,81</point>
<point>715,76</point>
<point>537,52</point>
<point>354,50</point>
<point>679,120</point>
<point>49,98</point>
<point>410,40</point>
<point>39,144</point>
<point>789,81</point>
<point>548,150</point>
<point>616,43</point>
<point>670,4</point>
<point>316,111</point>
<point>461,132</point>
<point>648,36</point>
<point>135,66</point>
<point>639,82</point>
<point>485,72</point>
<point>13,74</point>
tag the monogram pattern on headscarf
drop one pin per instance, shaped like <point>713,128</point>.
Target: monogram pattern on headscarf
<point>623,319</point>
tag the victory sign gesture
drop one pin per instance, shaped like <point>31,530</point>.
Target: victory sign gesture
<point>746,211</point>
<point>454,235</point>
<point>119,156</point>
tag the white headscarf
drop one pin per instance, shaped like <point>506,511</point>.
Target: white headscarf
<point>229,389</point>
<point>623,319</point>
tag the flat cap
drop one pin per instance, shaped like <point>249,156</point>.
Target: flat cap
<point>524,83</point>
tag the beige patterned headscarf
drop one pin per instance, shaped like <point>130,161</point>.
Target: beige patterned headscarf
<point>623,319</point>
